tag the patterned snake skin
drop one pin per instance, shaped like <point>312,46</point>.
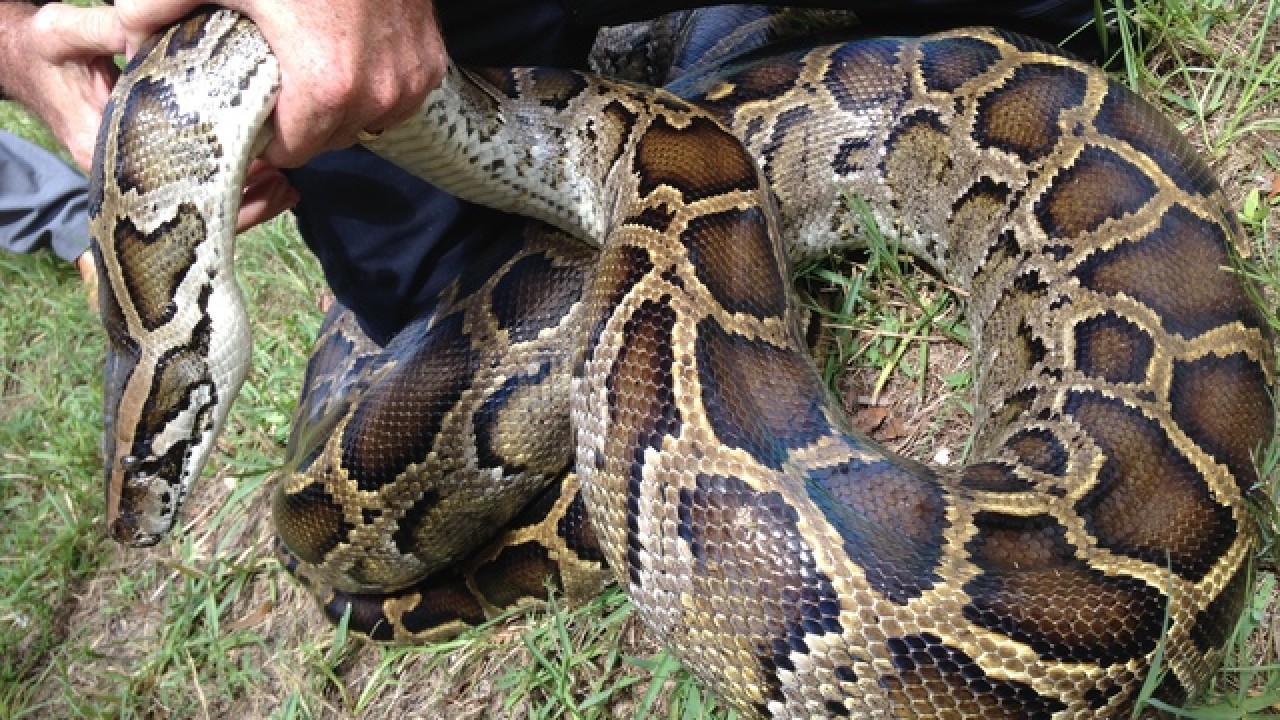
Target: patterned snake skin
<point>796,568</point>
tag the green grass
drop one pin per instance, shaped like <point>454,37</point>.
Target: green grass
<point>207,624</point>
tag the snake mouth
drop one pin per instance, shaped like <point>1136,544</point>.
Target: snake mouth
<point>124,530</point>
<point>141,506</point>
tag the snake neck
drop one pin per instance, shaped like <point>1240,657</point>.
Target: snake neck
<point>164,230</point>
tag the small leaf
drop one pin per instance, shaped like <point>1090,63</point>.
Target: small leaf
<point>1253,210</point>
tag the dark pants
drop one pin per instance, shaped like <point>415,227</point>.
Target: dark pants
<point>389,242</point>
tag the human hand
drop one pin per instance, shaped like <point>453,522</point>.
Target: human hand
<point>89,274</point>
<point>58,62</point>
<point>345,65</point>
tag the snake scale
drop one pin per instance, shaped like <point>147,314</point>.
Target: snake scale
<point>797,569</point>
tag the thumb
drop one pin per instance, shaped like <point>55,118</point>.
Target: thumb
<point>66,31</point>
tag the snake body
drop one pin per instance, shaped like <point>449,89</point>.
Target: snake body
<point>799,570</point>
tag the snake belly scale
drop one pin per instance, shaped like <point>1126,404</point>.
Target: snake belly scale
<point>799,570</point>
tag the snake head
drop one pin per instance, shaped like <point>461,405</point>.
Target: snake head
<point>164,406</point>
<point>146,508</point>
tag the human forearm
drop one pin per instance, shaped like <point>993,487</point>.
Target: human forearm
<point>57,60</point>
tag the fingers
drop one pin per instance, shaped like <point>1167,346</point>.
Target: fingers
<point>345,65</point>
<point>348,66</point>
<point>67,32</point>
<point>140,19</point>
<point>78,125</point>
<point>267,193</point>
<point>89,274</point>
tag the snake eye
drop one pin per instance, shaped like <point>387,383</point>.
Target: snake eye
<point>128,462</point>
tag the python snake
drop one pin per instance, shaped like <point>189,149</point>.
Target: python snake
<point>1121,369</point>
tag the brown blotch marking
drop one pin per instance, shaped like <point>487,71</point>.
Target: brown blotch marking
<point>411,524</point>
<point>617,116</point>
<point>574,528</point>
<point>861,76</point>
<point>759,398</point>
<point>728,527</point>
<point>1127,117</point>
<point>1015,406</point>
<point>919,154</point>
<point>1022,116</point>
<point>1150,502</point>
<point>733,257</point>
<point>181,372</point>
<point>1112,348</point>
<point>504,80</point>
<point>555,88</point>
<point>985,205</point>
<point>124,348</point>
<point>521,395</point>
<point>620,268</point>
<point>434,367</point>
<point>1215,623</point>
<point>784,131</point>
<point>640,392</point>
<point>189,153</point>
<point>1179,270</point>
<point>657,219</point>
<point>764,80</point>
<point>935,679</point>
<point>187,34</point>
<point>364,614</point>
<point>309,522</point>
<point>519,571</point>
<point>1033,350</point>
<point>701,160</point>
<point>1040,449</point>
<point>439,601</point>
<point>1222,404</point>
<point>993,476</point>
<point>892,516</point>
<point>948,63</point>
<point>154,264</point>
<point>1034,590</point>
<point>1099,185</point>
<point>534,295</point>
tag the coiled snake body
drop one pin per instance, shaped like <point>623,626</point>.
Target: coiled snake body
<point>797,569</point>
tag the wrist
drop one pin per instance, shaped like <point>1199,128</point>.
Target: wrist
<point>15,23</point>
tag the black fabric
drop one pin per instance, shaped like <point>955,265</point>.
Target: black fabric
<point>389,243</point>
<point>1052,20</point>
